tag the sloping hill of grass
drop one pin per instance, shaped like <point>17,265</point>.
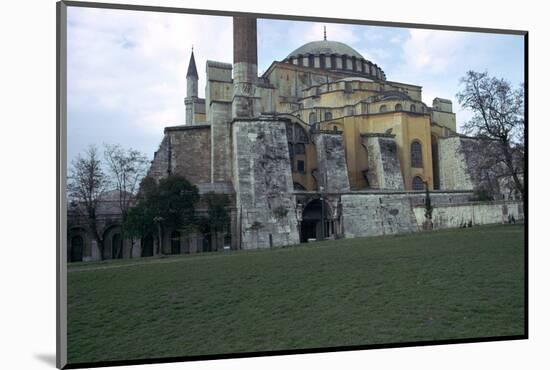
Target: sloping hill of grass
<point>448,284</point>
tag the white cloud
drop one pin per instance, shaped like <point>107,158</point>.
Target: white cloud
<point>433,51</point>
<point>133,64</point>
<point>375,55</point>
<point>396,40</point>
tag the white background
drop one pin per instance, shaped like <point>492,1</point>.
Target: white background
<point>27,183</point>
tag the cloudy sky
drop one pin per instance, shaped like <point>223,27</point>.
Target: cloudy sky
<point>126,69</point>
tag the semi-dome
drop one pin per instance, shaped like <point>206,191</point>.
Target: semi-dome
<point>334,56</point>
<point>325,47</point>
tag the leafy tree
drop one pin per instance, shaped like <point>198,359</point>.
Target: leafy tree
<point>168,204</point>
<point>86,183</point>
<point>498,118</point>
<point>176,199</point>
<point>138,224</point>
<point>218,217</point>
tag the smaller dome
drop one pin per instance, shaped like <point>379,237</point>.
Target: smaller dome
<point>336,57</point>
<point>325,47</point>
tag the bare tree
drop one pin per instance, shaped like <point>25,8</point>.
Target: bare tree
<point>127,167</point>
<point>498,117</point>
<point>86,183</point>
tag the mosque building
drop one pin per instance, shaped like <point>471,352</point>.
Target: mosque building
<point>321,145</point>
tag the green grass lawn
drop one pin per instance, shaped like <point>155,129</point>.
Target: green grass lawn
<point>451,284</point>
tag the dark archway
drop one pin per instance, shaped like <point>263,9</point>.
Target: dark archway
<point>77,248</point>
<point>116,246</point>
<point>147,246</point>
<point>417,183</point>
<point>311,227</point>
<point>207,243</point>
<point>175,242</point>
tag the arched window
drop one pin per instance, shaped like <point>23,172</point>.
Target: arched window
<point>311,61</point>
<point>416,154</point>
<point>333,61</point>
<point>417,183</point>
<point>413,108</point>
<point>322,63</point>
<point>312,118</point>
<point>77,248</point>
<point>383,109</point>
<point>147,246</point>
<point>348,88</point>
<point>328,116</point>
<point>299,148</point>
<point>398,107</point>
<point>116,245</point>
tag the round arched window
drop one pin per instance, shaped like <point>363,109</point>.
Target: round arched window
<point>312,118</point>
<point>418,183</point>
<point>416,154</point>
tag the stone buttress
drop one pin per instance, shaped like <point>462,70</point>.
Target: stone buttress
<point>263,184</point>
<point>332,170</point>
<point>384,167</point>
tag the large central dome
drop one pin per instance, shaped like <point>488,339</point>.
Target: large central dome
<point>325,47</point>
<point>334,56</point>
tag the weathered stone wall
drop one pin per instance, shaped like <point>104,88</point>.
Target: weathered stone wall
<point>377,214</point>
<point>221,141</point>
<point>384,166</point>
<point>453,171</point>
<point>381,213</point>
<point>219,94</point>
<point>263,184</point>
<point>331,162</point>
<point>468,214</point>
<point>184,151</point>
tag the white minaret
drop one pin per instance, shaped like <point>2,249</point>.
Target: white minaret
<point>192,90</point>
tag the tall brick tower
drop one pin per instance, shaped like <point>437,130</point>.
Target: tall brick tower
<point>245,67</point>
<point>261,166</point>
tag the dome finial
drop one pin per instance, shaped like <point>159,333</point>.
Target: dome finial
<point>325,33</point>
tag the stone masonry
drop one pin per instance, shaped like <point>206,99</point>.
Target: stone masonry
<point>219,96</point>
<point>184,151</point>
<point>384,166</point>
<point>263,184</point>
<point>377,214</point>
<point>453,171</point>
<point>331,162</point>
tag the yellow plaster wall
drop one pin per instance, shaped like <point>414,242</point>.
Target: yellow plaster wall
<point>406,128</point>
